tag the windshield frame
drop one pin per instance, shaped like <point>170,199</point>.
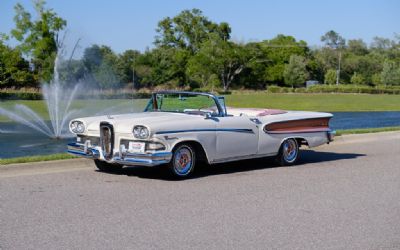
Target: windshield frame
<point>153,101</point>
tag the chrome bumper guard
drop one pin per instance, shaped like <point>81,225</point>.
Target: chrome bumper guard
<point>331,134</point>
<point>122,157</point>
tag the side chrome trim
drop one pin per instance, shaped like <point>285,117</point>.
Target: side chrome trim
<point>303,131</point>
<point>236,130</point>
<point>239,158</point>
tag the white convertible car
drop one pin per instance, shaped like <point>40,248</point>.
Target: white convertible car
<point>179,129</point>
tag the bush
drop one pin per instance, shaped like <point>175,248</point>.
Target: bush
<point>20,95</point>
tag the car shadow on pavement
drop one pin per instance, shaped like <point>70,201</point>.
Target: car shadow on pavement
<point>311,156</point>
<point>204,170</point>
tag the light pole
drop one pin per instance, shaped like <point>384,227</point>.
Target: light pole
<point>338,70</point>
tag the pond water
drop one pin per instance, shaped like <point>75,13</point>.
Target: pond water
<point>17,140</point>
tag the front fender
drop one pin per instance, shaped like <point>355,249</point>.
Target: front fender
<point>206,139</point>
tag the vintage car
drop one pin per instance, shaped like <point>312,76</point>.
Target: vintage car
<point>180,128</point>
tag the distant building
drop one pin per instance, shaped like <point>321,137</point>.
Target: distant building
<point>311,83</point>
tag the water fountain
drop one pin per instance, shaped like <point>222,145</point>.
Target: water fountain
<point>58,102</point>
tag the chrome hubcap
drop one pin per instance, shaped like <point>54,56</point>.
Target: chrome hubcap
<point>290,150</point>
<point>183,160</point>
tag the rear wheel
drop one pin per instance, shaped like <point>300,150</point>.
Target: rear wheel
<point>107,167</point>
<point>183,161</point>
<point>288,153</point>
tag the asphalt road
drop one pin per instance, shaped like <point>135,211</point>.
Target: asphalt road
<point>345,195</point>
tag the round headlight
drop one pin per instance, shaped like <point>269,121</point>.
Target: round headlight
<point>140,132</point>
<point>77,127</point>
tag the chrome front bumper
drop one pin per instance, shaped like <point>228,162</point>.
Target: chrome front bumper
<point>124,158</point>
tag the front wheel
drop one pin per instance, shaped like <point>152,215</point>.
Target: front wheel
<point>107,167</point>
<point>183,161</point>
<point>288,153</point>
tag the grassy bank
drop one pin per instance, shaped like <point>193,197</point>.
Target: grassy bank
<point>36,158</point>
<point>315,102</point>
<point>366,130</point>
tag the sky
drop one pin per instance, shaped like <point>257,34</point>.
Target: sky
<point>125,24</point>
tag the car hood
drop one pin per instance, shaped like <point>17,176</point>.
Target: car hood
<point>124,123</point>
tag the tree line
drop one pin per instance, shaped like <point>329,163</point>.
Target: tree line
<point>193,52</point>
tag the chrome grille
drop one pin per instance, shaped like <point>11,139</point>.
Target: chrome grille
<point>107,139</point>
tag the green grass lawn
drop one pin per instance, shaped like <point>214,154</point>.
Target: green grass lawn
<point>315,102</point>
<point>312,102</point>
<point>36,158</point>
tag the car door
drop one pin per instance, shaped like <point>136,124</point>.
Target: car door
<point>236,137</point>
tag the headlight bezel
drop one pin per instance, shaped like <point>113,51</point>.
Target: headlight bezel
<point>141,132</point>
<point>77,127</point>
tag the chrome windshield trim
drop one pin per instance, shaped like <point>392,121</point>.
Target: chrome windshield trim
<point>221,112</point>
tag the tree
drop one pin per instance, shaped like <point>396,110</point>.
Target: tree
<point>92,58</point>
<point>357,47</point>
<point>295,73</point>
<point>14,69</point>
<point>101,66</point>
<point>376,79</point>
<point>390,74</point>
<point>222,58</point>
<point>330,77</point>
<point>333,40</point>
<point>277,52</point>
<point>125,65</point>
<point>199,68</point>
<point>357,79</point>
<point>39,38</point>
<point>188,30</point>
<point>381,43</point>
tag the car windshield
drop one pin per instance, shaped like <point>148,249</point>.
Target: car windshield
<point>183,103</point>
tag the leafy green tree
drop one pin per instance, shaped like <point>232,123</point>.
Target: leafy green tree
<point>105,76</point>
<point>381,43</point>
<point>39,38</point>
<point>376,79</point>
<point>357,47</point>
<point>330,77</point>
<point>199,70</point>
<point>277,52</point>
<point>222,58</point>
<point>92,58</point>
<point>295,73</point>
<point>101,66</point>
<point>14,69</point>
<point>326,58</point>
<point>390,73</point>
<point>188,30</point>
<point>71,71</point>
<point>126,64</point>
<point>253,74</point>
<point>333,40</point>
<point>357,79</point>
